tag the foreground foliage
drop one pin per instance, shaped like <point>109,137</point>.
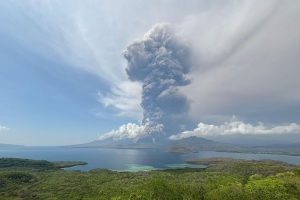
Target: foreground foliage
<point>223,179</point>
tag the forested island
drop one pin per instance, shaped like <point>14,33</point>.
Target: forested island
<point>223,178</point>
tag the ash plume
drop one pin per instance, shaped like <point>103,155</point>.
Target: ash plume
<point>161,62</point>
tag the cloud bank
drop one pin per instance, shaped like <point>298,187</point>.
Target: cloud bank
<point>237,128</point>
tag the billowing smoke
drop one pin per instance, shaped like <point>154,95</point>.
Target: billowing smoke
<point>131,131</point>
<point>160,61</point>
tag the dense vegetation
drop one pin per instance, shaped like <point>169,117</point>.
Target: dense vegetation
<point>222,179</point>
<point>36,164</point>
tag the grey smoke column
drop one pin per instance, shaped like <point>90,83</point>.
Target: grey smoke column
<point>160,61</point>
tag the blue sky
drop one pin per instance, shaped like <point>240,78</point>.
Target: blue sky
<point>62,70</point>
<point>45,100</point>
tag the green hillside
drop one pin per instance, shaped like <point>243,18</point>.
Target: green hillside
<point>222,179</point>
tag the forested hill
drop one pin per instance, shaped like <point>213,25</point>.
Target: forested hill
<point>224,179</point>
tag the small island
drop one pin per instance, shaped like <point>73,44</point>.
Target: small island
<point>66,164</point>
<point>37,164</point>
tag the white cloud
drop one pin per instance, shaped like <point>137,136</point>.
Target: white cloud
<point>131,131</point>
<point>126,97</point>
<point>3,128</point>
<point>237,128</point>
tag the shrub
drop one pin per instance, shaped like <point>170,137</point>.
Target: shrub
<point>19,177</point>
<point>267,189</point>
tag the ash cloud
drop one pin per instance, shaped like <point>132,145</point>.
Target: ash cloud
<point>160,61</point>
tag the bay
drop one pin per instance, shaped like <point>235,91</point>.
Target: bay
<point>129,159</point>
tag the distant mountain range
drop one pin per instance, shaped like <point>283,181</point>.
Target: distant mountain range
<point>191,144</point>
<point>186,145</point>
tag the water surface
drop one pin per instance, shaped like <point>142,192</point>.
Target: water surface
<point>129,159</point>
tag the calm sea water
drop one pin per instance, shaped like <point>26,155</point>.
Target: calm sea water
<point>128,159</point>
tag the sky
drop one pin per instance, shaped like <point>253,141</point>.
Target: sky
<point>74,71</point>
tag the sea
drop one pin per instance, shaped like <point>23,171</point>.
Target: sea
<point>129,159</point>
